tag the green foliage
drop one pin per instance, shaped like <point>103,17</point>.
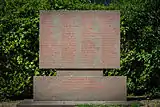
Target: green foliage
<point>19,35</point>
<point>140,46</point>
<point>19,30</point>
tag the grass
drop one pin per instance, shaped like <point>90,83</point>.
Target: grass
<point>103,106</point>
<point>91,105</point>
<point>148,103</point>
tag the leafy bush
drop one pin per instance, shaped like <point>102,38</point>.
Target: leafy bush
<point>19,30</point>
<point>140,46</point>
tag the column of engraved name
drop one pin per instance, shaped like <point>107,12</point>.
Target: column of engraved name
<point>88,50</point>
<point>68,40</point>
<point>109,41</point>
<point>46,38</point>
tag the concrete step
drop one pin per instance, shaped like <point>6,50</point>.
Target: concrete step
<point>32,103</point>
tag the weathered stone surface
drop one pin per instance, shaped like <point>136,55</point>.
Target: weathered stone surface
<point>83,39</point>
<point>82,88</point>
<point>79,73</point>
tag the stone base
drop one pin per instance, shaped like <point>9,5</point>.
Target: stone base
<point>80,88</point>
<point>32,103</point>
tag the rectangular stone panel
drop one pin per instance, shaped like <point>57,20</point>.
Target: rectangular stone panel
<point>79,39</point>
<point>82,88</point>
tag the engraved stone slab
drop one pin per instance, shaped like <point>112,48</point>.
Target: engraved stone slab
<point>79,39</point>
<point>79,73</point>
<point>112,88</point>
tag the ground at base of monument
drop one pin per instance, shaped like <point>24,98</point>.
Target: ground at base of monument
<point>32,103</point>
<point>143,102</point>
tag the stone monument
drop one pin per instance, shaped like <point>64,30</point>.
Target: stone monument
<point>79,45</point>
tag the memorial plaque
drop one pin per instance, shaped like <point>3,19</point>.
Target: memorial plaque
<point>79,39</point>
<point>82,88</point>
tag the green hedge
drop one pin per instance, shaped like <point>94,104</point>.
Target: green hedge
<point>19,32</point>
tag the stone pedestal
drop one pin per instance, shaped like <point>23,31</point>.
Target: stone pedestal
<point>69,89</point>
<point>80,88</point>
